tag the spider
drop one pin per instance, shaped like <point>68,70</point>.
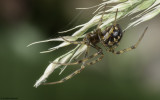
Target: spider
<point>109,38</point>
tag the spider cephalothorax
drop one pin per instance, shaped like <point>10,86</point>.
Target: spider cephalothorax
<point>109,38</point>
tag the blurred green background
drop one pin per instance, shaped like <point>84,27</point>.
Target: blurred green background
<point>131,76</point>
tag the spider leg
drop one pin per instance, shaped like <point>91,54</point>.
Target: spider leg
<point>72,74</point>
<point>87,51</point>
<point>99,34</point>
<point>99,53</point>
<point>80,61</point>
<point>130,48</point>
<point>115,21</point>
<point>112,48</point>
<point>97,60</point>
<point>68,77</point>
<point>73,42</point>
<point>101,19</point>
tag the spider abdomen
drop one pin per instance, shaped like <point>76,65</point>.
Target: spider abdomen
<point>113,40</point>
<point>112,35</point>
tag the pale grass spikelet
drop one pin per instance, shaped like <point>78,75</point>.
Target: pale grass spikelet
<point>147,8</point>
